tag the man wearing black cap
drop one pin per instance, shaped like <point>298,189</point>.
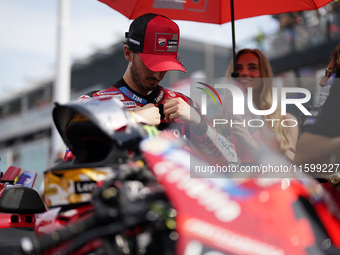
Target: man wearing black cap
<point>151,48</point>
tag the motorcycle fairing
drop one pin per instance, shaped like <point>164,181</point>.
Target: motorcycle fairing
<point>263,219</point>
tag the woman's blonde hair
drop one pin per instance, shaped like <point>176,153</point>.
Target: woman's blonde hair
<point>265,99</point>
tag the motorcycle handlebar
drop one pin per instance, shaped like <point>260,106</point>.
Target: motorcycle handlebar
<point>109,205</point>
<point>38,245</point>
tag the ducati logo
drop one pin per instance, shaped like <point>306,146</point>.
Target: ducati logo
<point>161,41</point>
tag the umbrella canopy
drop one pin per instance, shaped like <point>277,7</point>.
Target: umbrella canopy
<point>212,11</point>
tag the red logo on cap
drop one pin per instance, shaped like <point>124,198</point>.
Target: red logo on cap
<point>161,41</point>
<point>166,42</point>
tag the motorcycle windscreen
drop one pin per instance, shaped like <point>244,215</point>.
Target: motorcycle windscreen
<point>106,116</point>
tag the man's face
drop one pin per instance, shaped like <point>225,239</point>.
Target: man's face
<point>145,79</point>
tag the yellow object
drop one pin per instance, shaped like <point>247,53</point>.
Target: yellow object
<point>71,186</point>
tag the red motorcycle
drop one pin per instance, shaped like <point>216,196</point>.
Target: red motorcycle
<point>148,199</point>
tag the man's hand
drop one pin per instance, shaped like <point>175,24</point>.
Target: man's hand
<point>150,113</point>
<point>177,108</point>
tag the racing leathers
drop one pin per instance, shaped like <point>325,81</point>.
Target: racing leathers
<point>214,145</point>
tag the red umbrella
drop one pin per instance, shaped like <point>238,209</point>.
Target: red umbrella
<point>212,11</point>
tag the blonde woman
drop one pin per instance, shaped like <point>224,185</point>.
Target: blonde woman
<point>255,71</point>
